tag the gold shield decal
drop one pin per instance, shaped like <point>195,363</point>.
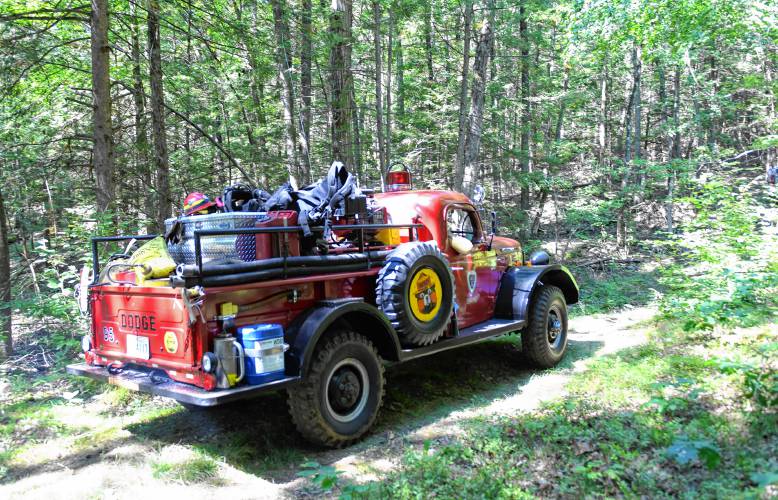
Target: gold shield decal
<point>472,281</point>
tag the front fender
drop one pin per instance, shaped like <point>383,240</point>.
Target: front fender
<point>354,314</point>
<point>519,283</point>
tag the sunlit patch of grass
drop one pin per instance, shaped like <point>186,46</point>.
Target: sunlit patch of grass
<point>652,421</point>
<point>29,422</point>
<point>607,291</point>
<point>194,468</point>
<point>245,452</point>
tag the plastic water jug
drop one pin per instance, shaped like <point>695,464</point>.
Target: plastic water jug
<point>264,347</point>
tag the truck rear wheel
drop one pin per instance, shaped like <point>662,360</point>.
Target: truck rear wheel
<point>415,290</point>
<point>338,400</point>
<point>544,340</point>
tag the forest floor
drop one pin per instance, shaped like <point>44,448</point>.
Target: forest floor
<point>119,444</point>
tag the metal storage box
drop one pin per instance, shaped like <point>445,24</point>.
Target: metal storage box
<point>241,247</point>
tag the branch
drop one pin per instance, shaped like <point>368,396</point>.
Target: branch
<point>202,132</point>
<point>67,14</point>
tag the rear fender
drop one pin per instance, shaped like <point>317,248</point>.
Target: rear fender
<point>351,314</point>
<point>519,283</point>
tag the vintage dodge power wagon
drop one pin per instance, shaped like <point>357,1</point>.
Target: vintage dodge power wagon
<point>316,299</point>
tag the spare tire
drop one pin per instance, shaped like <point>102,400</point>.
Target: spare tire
<point>415,290</point>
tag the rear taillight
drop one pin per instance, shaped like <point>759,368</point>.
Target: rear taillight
<point>209,362</point>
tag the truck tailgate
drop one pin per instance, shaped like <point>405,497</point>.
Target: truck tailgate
<point>149,325</point>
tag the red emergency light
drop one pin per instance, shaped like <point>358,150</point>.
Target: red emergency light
<point>399,180</point>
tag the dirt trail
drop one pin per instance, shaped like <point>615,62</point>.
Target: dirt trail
<point>111,455</point>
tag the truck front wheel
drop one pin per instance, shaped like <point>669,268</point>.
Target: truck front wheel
<point>339,399</point>
<point>544,340</point>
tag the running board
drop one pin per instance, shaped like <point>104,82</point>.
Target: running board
<point>469,335</point>
<point>139,379</point>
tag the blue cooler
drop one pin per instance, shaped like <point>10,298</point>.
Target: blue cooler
<point>264,347</point>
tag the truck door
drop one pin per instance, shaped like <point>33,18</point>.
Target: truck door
<point>475,271</point>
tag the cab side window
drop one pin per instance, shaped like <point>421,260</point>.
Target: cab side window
<point>460,223</point>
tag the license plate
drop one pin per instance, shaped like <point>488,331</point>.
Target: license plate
<point>138,347</point>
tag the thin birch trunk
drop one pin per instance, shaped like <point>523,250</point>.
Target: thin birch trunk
<point>459,165</point>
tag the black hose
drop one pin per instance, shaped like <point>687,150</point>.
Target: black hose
<point>266,274</point>
<point>220,269</point>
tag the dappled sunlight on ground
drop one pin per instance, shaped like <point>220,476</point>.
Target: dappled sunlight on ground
<point>118,443</point>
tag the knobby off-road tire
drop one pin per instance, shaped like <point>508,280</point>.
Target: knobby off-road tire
<point>338,400</point>
<point>415,290</point>
<point>544,340</point>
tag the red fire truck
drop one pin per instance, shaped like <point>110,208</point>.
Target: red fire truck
<point>417,275</point>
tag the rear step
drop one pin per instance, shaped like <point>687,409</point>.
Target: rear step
<point>138,378</point>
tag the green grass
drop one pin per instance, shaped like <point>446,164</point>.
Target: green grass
<point>198,469</point>
<point>653,421</point>
<point>613,289</point>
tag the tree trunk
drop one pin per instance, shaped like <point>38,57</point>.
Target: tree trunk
<point>459,166</point>
<point>526,117</point>
<point>674,149</point>
<point>379,100</point>
<point>356,119</point>
<point>389,55</point>
<point>283,54</point>
<point>306,88</point>
<point>102,154</point>
<point>164,201</point>
<point>638,102</point>
<point>141,133</point>
<point>476,118</point>
<point>341,81</point>
<point>428,40</point>
<point>558,131</point>
<point>6,340</point>
<point>630,137</point>
<point>602,126</point>
<point>400,78</point>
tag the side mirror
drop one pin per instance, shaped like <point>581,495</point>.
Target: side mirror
<point>539,258</point>
<point>493,217</point>
<point>478,195</point>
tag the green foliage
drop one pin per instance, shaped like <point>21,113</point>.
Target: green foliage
<point>734,277</point>
<point>759,378</point>
<point>600,292</point>
<point>325,477</point>
<point>685,452</point>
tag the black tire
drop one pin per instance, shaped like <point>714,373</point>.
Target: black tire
<point>407,263</point>
<point>544,340</point>
<point>334,405</point>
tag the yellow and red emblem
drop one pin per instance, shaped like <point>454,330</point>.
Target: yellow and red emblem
<point>423,294</point>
